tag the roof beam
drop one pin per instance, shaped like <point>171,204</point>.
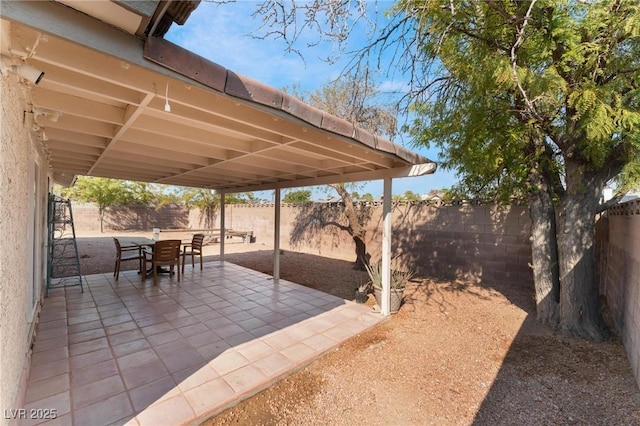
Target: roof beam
<point>76,138</point>
<point>181,131</point>
<point>154,140</point>
<point>77,106</point>
<point>411,171</point>
<point>147,153</point>
<point>82,125</point>
<point>131,115</point>
<point>61,80</point>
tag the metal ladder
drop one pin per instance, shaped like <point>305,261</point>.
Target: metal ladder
<point>63,262</point>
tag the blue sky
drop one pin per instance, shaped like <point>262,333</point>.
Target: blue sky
<point>221,33</point>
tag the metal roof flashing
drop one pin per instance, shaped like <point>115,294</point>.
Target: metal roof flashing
<point>225,81</point>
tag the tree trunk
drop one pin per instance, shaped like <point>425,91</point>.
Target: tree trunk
<point>580,313</point>
<point>544,243</point>
<point>356,230</point>
<point>544,256</point>
<point>101,216</point>
<point>362,257</point>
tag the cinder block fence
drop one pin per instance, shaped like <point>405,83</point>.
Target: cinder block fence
<point>619,247</point>
<point>488,243</point>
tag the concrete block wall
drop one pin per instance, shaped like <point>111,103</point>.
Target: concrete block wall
<point>488,243</point>
<point>330,242</point>
<point>620,279</point>
<point>86,218</point>
<point>481,243</point>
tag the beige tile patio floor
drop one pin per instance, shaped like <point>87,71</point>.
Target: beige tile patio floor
<point>127,352</point>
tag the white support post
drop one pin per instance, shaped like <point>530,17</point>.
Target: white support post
<point>276,237</point>
<point>385,309</point>
<point>222,225</point>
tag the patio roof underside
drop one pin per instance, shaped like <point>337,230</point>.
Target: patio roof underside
<point>100,111</point>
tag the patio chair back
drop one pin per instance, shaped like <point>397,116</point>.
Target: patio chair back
<point>197,241</point>
<point>125,254</point>
<point>193,249</point>
<point>165,253</point>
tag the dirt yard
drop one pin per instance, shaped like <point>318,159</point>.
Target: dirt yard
<point>456,353</point>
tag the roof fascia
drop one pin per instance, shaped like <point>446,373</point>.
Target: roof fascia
<point>398,172</point>
<point>61,21</point>
<point>145,8</point>
<point>262,96</point>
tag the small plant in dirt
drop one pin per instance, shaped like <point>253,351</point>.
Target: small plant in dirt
<point>362,290</point>
<point>363,286</point>
<point>399,278</point>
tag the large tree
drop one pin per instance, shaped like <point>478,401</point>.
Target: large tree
<point>297,196</point>
<point>208,201</point>
<point>108,192</point>
<point>534,98</point>
<point>542,96</point>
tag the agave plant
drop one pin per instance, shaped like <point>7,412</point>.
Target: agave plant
<point>399,278</point>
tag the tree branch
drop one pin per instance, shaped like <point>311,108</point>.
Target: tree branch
<point>610,203</point>
<point>514,64</point>
<point>503,13</point>
<point>489,42</point>
<point>336,224</point>
<point>618,73</point>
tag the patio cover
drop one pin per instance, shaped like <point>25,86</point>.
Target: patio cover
<point>116,104</point>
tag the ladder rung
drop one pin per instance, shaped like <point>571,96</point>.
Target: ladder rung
<point>63,256</point>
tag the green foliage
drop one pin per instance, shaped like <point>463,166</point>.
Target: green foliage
<point>167,196</point>
<point>206,200</point>
<point>297,196</point>
<point>107,192</point>
<point>407,196</point>
<point>538,99</point>
<point>239,198</point>
<point>629,179</point>
<point>140,193</point>
<point>498,109</point>
<point>246,198</point>
<point>355,195</point>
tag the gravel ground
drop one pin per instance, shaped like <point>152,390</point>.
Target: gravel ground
<point>456,353</point>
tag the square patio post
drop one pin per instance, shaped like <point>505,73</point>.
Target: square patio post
<point>222,224</point>
<point>276,237</point>
<point>385,309</point>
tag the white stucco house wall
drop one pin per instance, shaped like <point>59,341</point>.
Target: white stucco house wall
<point>24,181</point>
